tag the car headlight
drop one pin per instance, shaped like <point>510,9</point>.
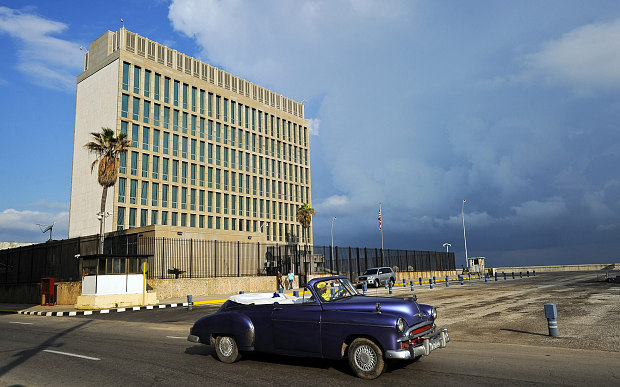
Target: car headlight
<point>400,325</point>
<point>434,313</point>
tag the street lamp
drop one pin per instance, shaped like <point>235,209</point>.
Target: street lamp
<point>464,237</point>
<point>334,218</point>
<point>447,245</point>
<point>101,216</point>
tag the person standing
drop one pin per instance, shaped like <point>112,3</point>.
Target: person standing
<point>280,286</point>
<point>291,278</point>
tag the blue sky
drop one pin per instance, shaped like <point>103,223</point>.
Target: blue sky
<point>418,105</point>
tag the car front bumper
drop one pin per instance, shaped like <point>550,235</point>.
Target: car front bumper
<point>438,339</point>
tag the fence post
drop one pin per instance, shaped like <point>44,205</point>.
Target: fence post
<point>191,256</point>
<point>350,265</point>
<point>163,256</point>
<point>337,265</point>
<point>215,258</point>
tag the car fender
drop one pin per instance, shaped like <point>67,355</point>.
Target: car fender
<point>338,329</point>
<point>226,323</point>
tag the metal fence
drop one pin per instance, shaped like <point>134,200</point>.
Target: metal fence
<point>353,261</point>
<point>170,258</point>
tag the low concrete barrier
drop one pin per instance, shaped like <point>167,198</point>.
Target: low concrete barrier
<point>589,267</point>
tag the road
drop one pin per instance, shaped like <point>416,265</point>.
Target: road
<point>498,338</point>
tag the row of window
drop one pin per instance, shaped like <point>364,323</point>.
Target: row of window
<point>196,174</point>
<point>274,231</point>
<point>182,95</point>
<point>172,196</point>
<point>186,147</point>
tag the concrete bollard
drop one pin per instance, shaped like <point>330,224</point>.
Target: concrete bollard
<point>447,281</point>
<point>281,290</point>
<point>528,274</point>
<point>434,280</point>
<point>411,283</point>
<point>430,282</point>
<point>495,276</point>
<point>534,271</point>
<point>364,287</point>
<point>486,277</point>
<point>551,312</point>
<point>461,280</point>
<point>296,293</point>
<point>504,275</point>
<point>513,275</point>
<point>386,284</point>
<point>469,276</point>
<point>420,278</point>
<point>404,283</point>
<point>521,274</point>
<point>390,287</point>
<point>190,302</point>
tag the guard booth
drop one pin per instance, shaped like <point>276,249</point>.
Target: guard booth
<point>114,281</point>
<point>476,265</point>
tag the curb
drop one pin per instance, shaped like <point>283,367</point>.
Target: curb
<point>102,311</point>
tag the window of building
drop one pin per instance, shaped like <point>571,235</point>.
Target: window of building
<point>164,218</point>
<point>166,141</point>
<point>156,89</point>
<point>164,196</point>
<point>136,80</point>
<point>166,90</point>
<point>133,189</point>
<point>144,193</point>
<point>156,113</point>
<point>175,170</point>
<point>147,83</point>
<point>125,106</point>
<point>132,218</point>
<point>120,218</point>
<point>126,76</point>
<point>155,167</point>
<point>154,193</point>
<point>175,100</point>
<point>145,165</point>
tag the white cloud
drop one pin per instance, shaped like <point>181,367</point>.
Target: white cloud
<point>314,125</point>
<point>24,224</point>
<point>46,60</point>
<point>586,58</point>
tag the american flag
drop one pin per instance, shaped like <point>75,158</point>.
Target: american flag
<point>379,218</point>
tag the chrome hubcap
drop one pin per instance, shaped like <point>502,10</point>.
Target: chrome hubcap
<point>226,346</point>
<point>365,358</point>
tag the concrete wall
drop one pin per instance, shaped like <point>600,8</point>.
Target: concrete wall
<point>592,267</point>
<point>175,288</point>
<point>66,293</point>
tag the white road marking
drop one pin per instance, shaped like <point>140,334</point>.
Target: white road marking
<point>17,322</point>
<point>176,337</point>
<point>71,354</point>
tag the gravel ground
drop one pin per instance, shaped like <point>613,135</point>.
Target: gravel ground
<point>512,311</point>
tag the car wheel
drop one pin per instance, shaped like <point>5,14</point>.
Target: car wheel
<point>226,349</point>
<point>366,359</point>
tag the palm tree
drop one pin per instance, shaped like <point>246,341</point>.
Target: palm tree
<point>107,149</point>
<point>304,217</point>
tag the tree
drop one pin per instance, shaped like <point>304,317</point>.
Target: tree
<point>304,217</point>
<point>107,149</point>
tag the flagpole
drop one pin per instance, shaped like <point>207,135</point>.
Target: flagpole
<point>381,228</point>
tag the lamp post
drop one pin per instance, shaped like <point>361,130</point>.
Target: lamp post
<point>464,237</point>
<point>447,246</point>
<point>333,219</point>
<point>101,216</point>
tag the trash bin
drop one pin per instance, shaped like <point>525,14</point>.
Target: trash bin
<point>48,297</point>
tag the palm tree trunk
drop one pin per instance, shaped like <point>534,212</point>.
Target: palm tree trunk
<point>104,196</point>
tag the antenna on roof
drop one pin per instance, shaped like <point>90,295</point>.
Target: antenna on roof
<point>123,21</point>
<point>45,228</point>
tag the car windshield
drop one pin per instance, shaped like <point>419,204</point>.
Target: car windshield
<point>371,271</point>
<point>334,289</point>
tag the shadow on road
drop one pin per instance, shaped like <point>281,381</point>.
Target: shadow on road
<point>518,331</point>
<point>28,353</point>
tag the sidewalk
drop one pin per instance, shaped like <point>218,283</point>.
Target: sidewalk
<point>69,310</point>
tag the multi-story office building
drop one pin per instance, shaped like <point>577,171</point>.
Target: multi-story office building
<point>213,156</point>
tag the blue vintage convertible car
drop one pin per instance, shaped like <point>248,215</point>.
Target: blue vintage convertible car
<point>329,319</point>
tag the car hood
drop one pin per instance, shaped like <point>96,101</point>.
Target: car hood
<point>409,310</point>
